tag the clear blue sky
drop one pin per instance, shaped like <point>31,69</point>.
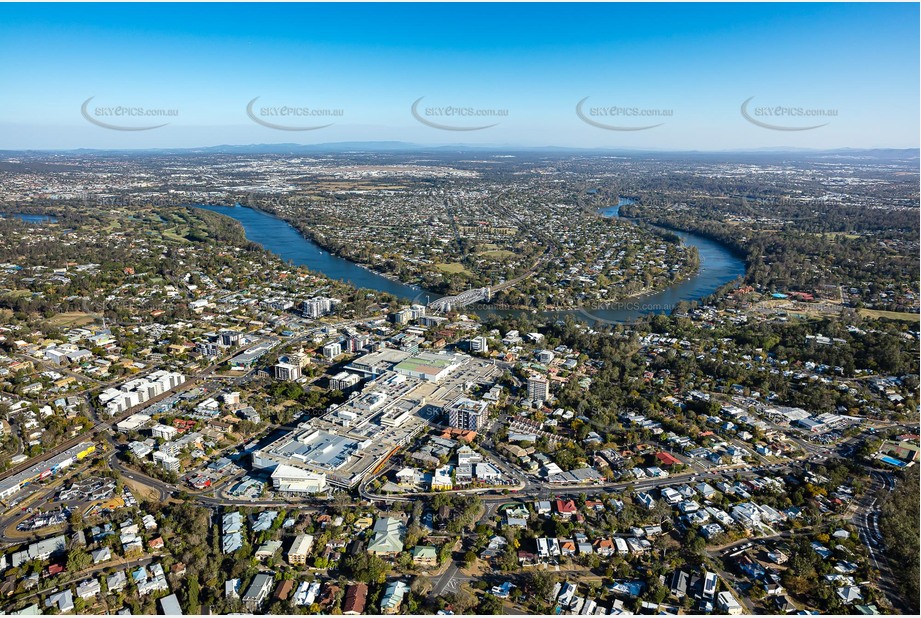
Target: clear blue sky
<point>699,61</point>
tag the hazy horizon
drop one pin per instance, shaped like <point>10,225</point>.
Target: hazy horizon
<point>395,146</point>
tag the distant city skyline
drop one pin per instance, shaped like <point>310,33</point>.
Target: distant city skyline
<point>615,76</point>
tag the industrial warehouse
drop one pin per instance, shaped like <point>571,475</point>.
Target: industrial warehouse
<point>354,438</point>
<point>44,469</point>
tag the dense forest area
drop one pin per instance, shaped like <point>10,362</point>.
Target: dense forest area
<point>899,523</point>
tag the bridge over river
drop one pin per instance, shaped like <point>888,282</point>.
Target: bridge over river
<point>718,266</point>
<point>469,297</point>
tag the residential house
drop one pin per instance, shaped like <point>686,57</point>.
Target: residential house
<point>565,508</point>
<point>101,555</point>
<point>425,555</point>
<point>88,589</point>
<point>63,601</point>
<point>849,594</point>
<point>283,591</point>
<point>267,550</point>
<point>356,595</point>
<point>387,538</point>
<point>258,590</point>
<point>604,547</point>
<point>393,597</point>
<point>232,588</point>
<point>727,604</point>
<point>116,581</point>
<point>170,606</point>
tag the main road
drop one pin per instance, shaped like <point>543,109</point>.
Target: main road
<point>865,517</point>
<point>193,381</point>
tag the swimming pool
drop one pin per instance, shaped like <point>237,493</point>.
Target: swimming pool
<point>893,461</point>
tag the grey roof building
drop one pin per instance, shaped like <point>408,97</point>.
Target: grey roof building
<point>258,590</point>
<point>170,606</point>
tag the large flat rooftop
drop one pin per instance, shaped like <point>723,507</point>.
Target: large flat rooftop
<point>351,439</point>
<point>318,448</point>
<point>429,366</point>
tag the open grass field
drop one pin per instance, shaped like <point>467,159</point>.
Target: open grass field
<point>174,235</point>
<point>141,491</point>
<point>499,254</point>
<point>452,268</point>
<point>891,315</point>
<point>841,234</point>
<point>72,319</point>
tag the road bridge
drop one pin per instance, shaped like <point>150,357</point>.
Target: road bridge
<point>469,297</point>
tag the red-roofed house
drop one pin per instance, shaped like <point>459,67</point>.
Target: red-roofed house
<point>183,425</point>
<point>604,547</point>
<point>356,596</point>
<point>666,459</point>
<point>565,508</point>
<point>568,547</point>
<point>526,558</point>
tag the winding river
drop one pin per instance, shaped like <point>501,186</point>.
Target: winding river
<point>718,266</point>
<point>282,239</point>
<point>32,218</point>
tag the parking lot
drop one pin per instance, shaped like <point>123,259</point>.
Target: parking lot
<point>88,490</point>
<point>44,520</point>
